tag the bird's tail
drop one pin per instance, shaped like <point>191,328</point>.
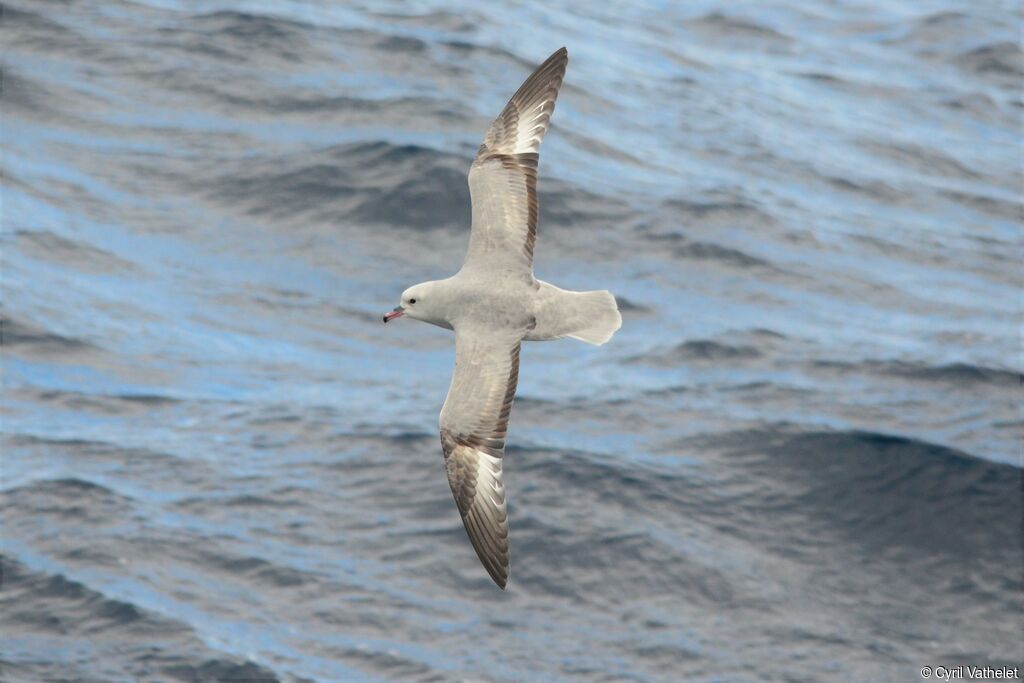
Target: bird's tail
<point>592,317</point>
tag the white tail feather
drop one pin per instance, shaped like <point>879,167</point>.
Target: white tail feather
<point>592,317</point>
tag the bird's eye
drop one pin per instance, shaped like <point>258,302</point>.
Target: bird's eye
<point>412,301</point>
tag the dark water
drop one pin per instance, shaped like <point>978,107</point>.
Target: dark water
<point>799,460</point>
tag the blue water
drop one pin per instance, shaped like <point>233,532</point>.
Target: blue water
<point>799,459</point>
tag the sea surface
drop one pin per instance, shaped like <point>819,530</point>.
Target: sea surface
<point>798,460</point>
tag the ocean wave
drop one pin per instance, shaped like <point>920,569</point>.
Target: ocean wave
<point>698,350</point>
<point>235,36</point>
<point>681,246</point>
<point>73,502</point>
<point>999,60</point>
<point>882,490</point>
<point>722,213</point>
<point>47,246</point>
<point>994,206</point>
<point>364,183</point>
<point>718,25</point>
<point>124,638</point>
<point>952,373</point>
<point>925,160</point>
<point>22,337</point>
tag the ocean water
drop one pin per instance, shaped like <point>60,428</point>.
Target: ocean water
<point>798,460</point>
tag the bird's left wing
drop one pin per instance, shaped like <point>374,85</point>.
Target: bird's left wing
<point>503,177</point>
<point>474,422</point>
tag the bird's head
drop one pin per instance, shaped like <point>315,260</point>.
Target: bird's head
<point>417,302</point>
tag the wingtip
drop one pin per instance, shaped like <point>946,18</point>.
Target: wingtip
<point>499,575</point>
<point>559,55</point>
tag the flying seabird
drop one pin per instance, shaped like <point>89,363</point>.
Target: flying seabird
<point>493,304</point>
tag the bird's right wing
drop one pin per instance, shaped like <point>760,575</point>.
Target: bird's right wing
<point>474,422</point>
<point>503,177</point>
